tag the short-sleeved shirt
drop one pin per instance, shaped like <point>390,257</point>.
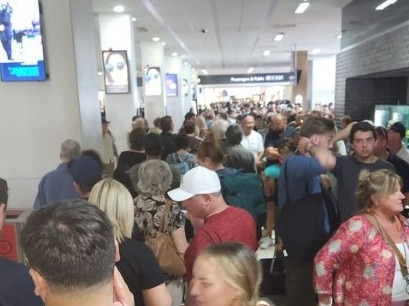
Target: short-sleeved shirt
<point>253,142</point>
<point>149,212</point>
<point>347,169</point>
<point>139,268</point>
<point>231,224</point>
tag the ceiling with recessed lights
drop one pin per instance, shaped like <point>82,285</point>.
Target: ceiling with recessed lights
<point>230,36</point>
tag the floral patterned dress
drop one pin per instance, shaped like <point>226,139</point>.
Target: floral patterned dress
<point>149,212</point>
<point>363,263</point>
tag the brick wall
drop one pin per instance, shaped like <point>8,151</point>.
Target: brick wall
<point>384,52</point>
<point>361,95</point>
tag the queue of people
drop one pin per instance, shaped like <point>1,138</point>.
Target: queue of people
<point>84,242</point>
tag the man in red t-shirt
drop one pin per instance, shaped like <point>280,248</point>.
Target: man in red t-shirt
<point>200,194</point>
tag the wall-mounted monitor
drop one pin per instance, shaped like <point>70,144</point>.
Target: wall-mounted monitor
<point>152,81</point>
<point>171,84</point>
<point>116,72</point>
<point>22,44</point>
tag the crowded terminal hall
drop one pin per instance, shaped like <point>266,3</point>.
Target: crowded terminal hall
<point>242,153</point>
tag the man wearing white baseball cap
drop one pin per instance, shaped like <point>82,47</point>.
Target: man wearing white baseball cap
<point>200,194</point>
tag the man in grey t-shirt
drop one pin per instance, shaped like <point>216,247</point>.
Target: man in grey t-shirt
<point>347,168</point>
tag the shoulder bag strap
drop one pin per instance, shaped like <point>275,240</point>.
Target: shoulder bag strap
<point>165,220</point>
<point>390,242</point>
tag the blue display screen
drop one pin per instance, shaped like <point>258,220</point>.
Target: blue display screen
<point>21,48</point>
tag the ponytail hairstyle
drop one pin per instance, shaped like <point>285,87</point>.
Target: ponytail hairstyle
<point>373,183</point>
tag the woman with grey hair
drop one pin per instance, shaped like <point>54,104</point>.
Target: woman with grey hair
<point>155,177</point>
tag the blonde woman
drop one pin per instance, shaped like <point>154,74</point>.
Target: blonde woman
<point>138,264</point>
<point>227,274</point>
<point>360,265</point>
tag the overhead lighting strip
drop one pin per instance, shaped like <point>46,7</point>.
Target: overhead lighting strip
<point>302,7</point>
<point>385,4</point>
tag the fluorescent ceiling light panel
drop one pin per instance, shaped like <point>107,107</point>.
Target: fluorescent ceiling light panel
<point>175,54</point>
<point>302,7</point>
<point>266,53</point>
<point>133,19</point>
<point>279,37</point>
<point>119,8</point>
<point>155,38</point>
<point>385,4</point>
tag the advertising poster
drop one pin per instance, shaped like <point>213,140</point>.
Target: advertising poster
<point>152,81</point>
<point>116,73</point>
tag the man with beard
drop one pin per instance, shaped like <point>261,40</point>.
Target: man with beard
<point>277,130</point>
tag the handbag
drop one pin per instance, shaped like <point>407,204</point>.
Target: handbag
<point>164,248</point>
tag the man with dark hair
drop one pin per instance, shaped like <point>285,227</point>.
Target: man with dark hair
<point>16,286</point>
<point>301,175</point>
<point>396,134</point>
<point>86,172</point>
<point>167,137</point>
<point>402,167</point>
<point>58,184</point>
<point>347,168</point>
<point>71,250</point>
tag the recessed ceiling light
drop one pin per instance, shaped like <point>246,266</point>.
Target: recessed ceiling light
<point>315,51</point>
<point>385,4</point>
<point>163,43</point>
<point>339,36</point>
<point>133,19</point>
<point>99,72</point>
<point>250,70</point>
<point>279,37</point>
<point>302,7</point>
<point>193,68</point>
<point>155,39</point>
<point>266,53</point>
<point>204,71</point>
<point>119,8</point>
<point>185,63</point>
<point>175,54</point>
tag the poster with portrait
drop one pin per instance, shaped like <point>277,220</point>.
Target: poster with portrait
<point>116,72</point>
<point>152,81</point>
<point>171,85</point>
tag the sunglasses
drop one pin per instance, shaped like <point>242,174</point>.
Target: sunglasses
<point>118,65</point>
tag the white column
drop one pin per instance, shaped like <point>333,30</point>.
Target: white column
<point>185,89</point>
<point>84,43</point>
<point>116,33</point>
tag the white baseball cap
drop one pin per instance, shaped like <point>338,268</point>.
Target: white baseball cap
<point>198,180</point>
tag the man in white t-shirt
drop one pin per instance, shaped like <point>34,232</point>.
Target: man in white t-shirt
<point>252,140</point>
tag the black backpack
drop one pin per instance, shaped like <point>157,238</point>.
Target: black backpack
<point>301,223</point>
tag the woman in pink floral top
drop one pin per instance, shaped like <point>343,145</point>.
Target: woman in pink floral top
<point>357,266</point>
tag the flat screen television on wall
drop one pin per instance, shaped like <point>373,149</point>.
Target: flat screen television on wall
<point>22,45</point>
